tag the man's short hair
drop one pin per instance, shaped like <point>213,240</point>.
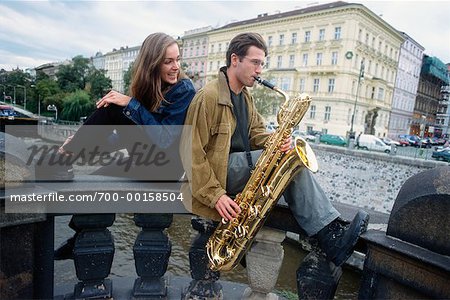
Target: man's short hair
<point>240,44</point>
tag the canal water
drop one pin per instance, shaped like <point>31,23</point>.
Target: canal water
<point>181,234</point>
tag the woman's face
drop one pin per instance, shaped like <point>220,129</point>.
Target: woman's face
<point>170,68</point>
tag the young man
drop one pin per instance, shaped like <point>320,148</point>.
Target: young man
<point>225,122</point>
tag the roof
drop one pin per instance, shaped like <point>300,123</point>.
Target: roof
<point>266,17</point>
<point>435,67</point>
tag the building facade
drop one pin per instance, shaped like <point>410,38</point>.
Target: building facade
<point>195,54</point>
<point>116,63</point>
<point>319,50</point>
<point>443,115</point>
<point>405,90</point>
<point>433,77</point>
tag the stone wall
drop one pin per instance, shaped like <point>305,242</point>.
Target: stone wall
<point>365,179</point>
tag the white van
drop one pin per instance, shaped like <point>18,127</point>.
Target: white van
<point>371,142</point>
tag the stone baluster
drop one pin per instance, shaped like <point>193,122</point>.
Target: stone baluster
<point>93,255</point>
<point>204,283</point>
<point>151,254</point>
<point>264,261</point>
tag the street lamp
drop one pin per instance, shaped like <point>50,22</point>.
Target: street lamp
<point>4,92</point>
<point>39,100</point>
<point>361,76</point>
<point>52,107</point>
<point>25,95</point>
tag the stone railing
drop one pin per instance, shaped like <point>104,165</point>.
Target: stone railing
<point>410,260</point>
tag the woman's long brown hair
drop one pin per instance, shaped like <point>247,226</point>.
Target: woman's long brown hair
<point>146,84</point>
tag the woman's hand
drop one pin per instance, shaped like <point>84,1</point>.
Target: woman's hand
<point>113,97</point>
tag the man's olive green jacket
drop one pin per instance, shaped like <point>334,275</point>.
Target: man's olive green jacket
<point>212,121</point>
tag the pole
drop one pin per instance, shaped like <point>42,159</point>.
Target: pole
<point>39,105</point>
<point>25,100</point>
<point>361,75</point>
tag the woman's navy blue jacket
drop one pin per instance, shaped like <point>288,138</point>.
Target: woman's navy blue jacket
<point>171,112</point>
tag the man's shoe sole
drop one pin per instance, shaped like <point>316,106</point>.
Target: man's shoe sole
<point>362,220</point>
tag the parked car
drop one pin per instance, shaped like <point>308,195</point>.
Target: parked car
<point>415,140</point>
<point>442,154</point>
<point>332,139</point>
<point>403,142</point>
<point>307,137</point>
<point>389,141</point>
<point>371,142</point>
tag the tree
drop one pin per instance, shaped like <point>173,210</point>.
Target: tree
<point>73,76</point>
<point>76,105</point>
<point>97,84</point>
<point>127,76</point>
<point>48,91</point>
<point>265,99</point>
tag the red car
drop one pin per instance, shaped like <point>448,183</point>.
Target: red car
<point>403,142</point>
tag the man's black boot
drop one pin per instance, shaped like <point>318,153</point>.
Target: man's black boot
<point>65,251</point>
<point>337,239</point>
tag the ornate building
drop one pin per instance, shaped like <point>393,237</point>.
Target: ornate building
<point>443,114</point>
<point>195,54</point>
<point>319,50</point>
<point>405,90</point>
<point>433,76</point>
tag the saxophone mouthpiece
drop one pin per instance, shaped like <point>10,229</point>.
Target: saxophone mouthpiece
<point>264,82</point>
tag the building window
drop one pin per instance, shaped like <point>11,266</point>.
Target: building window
<point>312,112</point>
<point>305,59</point>
<point>334,58</point>
<point>360,35</point>
<point>285,84</point>
<point>380,94</point>
<point>327,115</point>
<point>267,65</point>
<point>337,33</point>
<point>218,65</point>
<point>302,85</point>
<point>367,39</point>
<point>281,39</point>
<point>319,59</point>
<point>321,34</point>
<point>269,40</point>
<point>210,65</point>
<point>331,82</point>
<point>212,49</point>
<point>279,61</point>
<point>307,36</point>
<point>372,95</point>
<point>291,60</point>
<point>316,85</point>
<point>220,47</point>
<point>294,38</point>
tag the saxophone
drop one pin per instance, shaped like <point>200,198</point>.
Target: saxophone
<point>273,172</point>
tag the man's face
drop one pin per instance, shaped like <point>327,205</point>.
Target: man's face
<point>249,66</point>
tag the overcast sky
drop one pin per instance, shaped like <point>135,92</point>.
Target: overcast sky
<point>37,32</point>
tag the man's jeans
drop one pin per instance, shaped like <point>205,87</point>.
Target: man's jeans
<point>306,199</point>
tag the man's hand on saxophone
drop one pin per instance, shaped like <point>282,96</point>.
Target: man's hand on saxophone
<point>287,145</point>
<point>227,208</point>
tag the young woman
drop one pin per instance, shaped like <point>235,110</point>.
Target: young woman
<point>160,95</point>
